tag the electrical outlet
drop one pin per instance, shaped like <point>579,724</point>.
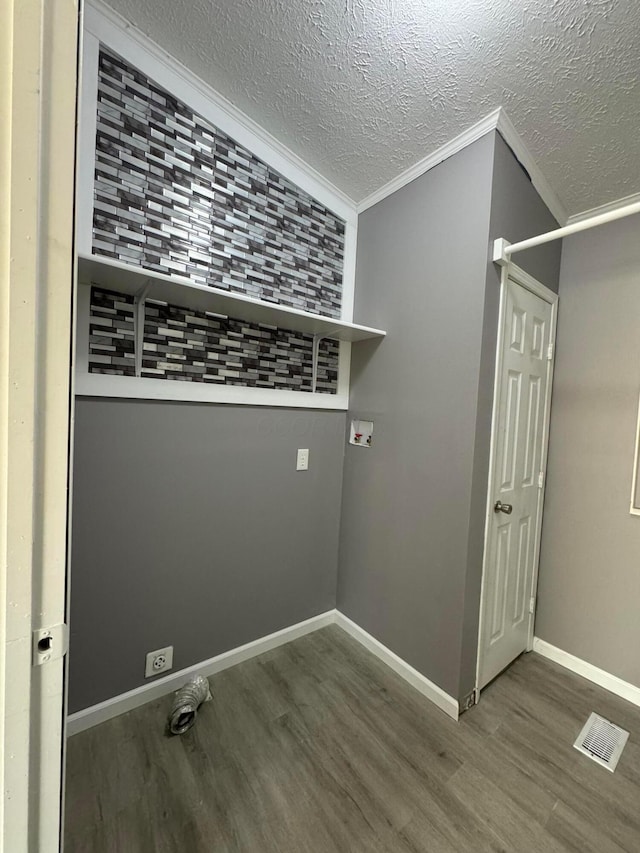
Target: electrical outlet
<point>302,462</point>
<point>159,661</point>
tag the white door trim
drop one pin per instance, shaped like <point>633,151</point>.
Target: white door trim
<point>522,278</point>
<point>38,41</point>
<point>634,507</point>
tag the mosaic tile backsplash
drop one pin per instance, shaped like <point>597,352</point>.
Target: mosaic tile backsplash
<point>175,194</point>
<point>111,333</point>
<point>191,346</point>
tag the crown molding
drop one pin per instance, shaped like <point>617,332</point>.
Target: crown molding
<point>108,25</point>
<point>496,120</point>
<point>610,207</point>
<point>467,137</point>
<point>513,139</point>
<point>113,30</point>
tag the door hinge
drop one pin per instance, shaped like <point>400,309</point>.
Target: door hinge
<point>50,644</point>
<point>550,353</point>
<point>541,479</point>
<point>532,605</point>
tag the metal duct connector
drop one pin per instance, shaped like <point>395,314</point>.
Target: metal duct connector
<point>186,702</point>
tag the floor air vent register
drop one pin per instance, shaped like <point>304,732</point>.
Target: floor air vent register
<point>601,741</point>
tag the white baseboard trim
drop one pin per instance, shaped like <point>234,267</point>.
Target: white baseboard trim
<point>96,714</point>
<point>420,682</point>
<point>107,710</point>
<point>587,670</point>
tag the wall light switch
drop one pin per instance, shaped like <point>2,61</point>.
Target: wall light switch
<point>302,463</point>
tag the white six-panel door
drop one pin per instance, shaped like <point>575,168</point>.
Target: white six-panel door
<point>519,440</point>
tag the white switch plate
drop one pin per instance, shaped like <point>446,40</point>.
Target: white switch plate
<point>302,463</point>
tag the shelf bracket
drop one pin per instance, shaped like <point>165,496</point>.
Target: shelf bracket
<point>138,323</point>
<point>316,351</point>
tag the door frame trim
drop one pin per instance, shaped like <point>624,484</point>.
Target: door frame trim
<point>523,279</point>
<point>38,70</point>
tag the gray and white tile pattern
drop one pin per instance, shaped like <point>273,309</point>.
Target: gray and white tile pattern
<point>175,194</point>
<point>187,345</point>
<point>111,333</point>
<point>180,344</point>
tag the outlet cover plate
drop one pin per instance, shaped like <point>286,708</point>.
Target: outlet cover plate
<point>159,661</point>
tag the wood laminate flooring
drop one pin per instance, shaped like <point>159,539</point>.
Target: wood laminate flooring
<point>317,746</point>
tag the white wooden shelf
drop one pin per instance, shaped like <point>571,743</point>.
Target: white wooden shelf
<point>175,290</point>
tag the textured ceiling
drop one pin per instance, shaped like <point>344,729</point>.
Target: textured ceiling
<point>362,89</point>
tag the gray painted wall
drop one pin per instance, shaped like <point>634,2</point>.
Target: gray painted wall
<point>414,505</point>
<point>421,271</point>
<point>517,212</point>
<point>192,528</point>
<point>589,590</point>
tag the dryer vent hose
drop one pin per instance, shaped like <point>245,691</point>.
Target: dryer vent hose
<point>186,702</point>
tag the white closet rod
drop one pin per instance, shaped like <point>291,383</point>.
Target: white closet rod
<point>502,250</point>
